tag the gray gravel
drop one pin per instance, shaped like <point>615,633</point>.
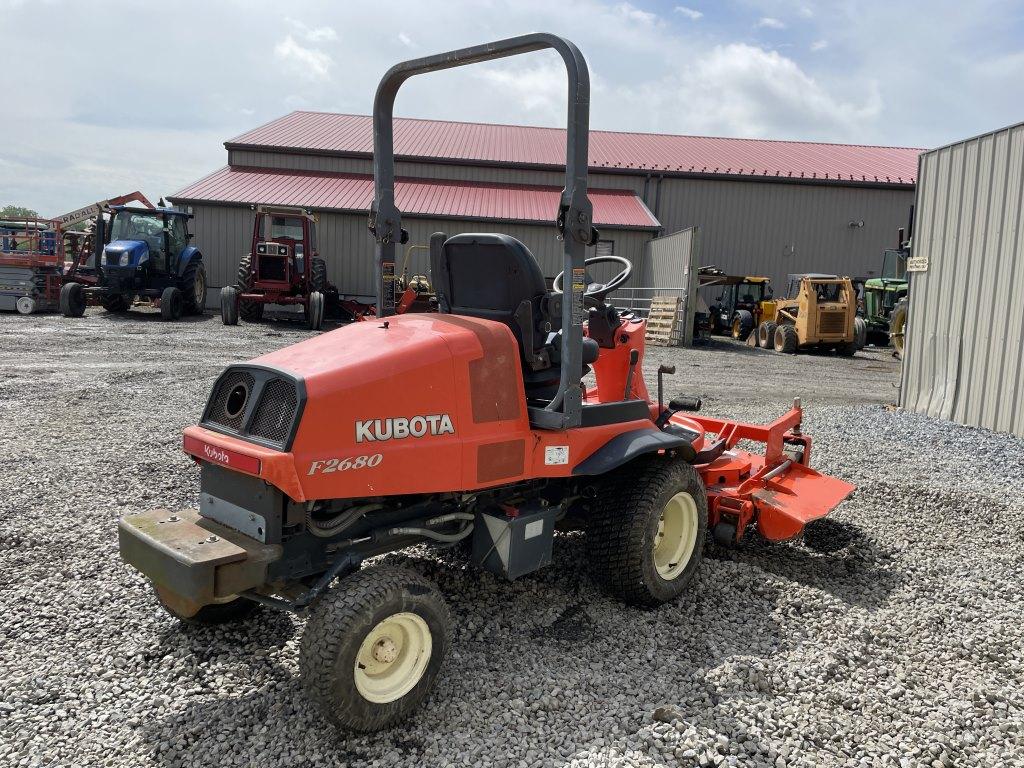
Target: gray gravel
<point>892,636</point>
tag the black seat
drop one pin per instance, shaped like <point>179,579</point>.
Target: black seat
<point>495,277</point>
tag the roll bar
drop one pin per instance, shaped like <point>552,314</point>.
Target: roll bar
<point>575,213</point>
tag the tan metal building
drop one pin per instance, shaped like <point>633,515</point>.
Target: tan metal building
<point>964,357</point>
<point>764,207</point>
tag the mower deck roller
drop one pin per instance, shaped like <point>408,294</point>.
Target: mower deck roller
<point>467,428</point>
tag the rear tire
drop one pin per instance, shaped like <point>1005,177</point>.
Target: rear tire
<point>72,300</point>
<point>171,303</point>
<point>315,311</point>
<point>898,326</point>
<point>860,332</point>
<point>116,302</point>
<point>373,647</point>
<point>250,311</point>
<point>193,287</point>
<point>229,305</point>
<point>786,338</point>
<point>766,334</point>
<point>742,325</point>
<point>319,275</point>
<point>646,533</point>
<point>847,350</point>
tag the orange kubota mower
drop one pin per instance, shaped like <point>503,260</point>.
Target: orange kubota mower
<point>468,427</point>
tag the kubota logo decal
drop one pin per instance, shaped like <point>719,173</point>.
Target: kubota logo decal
<point>401,427</point>
<point>216,454</point>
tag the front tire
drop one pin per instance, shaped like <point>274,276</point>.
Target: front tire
<point>25,305</point>
<point>229,305</point>
<point>786,338</point>
<point>172,303</point>
<point>72,300</point>
<point>646,535</point>
<point>315,311</point>
<point>766,334</point>
<point>860,332</point>
<point>373,647</point>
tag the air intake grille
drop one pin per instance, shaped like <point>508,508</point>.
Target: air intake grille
<point>218,411</point>
<point>275,412</point>
<point>832,322</point>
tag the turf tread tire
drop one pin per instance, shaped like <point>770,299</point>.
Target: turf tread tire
<point>620,527</point>
<point>340,621</point>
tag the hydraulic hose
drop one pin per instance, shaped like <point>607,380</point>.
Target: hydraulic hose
<point>328,528</point>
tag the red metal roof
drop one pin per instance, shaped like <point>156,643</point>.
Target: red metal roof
<point>461,199</point>
<point>526,145</point>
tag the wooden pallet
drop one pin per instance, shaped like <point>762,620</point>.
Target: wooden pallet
<point>663,322</point>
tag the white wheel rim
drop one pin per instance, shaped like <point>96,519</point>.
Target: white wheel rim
<point>200,286</point>
<point>392,658</point>
<point>676,537</point>
<point>26,305</point>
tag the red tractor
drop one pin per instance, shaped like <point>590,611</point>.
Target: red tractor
<point>471,425</point>
<point>282,267</point>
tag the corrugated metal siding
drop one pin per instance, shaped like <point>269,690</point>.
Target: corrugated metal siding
<point>770,229</point>
<point>965,342</point>
<point>516,144</point>
<point>223,233</point>
<point>458,172</point>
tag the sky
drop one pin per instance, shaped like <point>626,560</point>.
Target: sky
<point>107,97</point>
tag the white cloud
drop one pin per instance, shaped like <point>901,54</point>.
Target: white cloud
<point>540,90</point>
<point>689,13</point>
<point>632,13</point>
<point>806,12</point>
<point>743,90</point>
<point>770,23</point>
<point>313,34</point>
<point>306,62</point>
<point>405,40</point>
<point>819,45</point>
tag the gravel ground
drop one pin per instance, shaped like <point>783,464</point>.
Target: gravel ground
<point>891,636</point>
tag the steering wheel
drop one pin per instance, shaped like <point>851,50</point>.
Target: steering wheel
<point>597,292</point>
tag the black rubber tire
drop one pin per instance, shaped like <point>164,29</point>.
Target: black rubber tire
<point>786,338</point>
<point>238,609</point>
<point>72,300</point>
<point>172,303</point>
<point>116,302</point>
<point>898,325</point>
<point>847,350</point>
<point>315,311</point>
<point>624,521</point>
<point>860,332</point>
<point>250,311</point>
<point>766,334</point>
<point>742,324</point>
<point>338,624</point>
<point>319,275</point>
<point>194,303</point>
<point>229,305</point>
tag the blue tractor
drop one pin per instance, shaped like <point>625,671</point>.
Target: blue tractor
<point>147,255</point>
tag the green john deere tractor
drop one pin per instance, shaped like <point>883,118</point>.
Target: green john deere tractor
<point>885,297</point>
